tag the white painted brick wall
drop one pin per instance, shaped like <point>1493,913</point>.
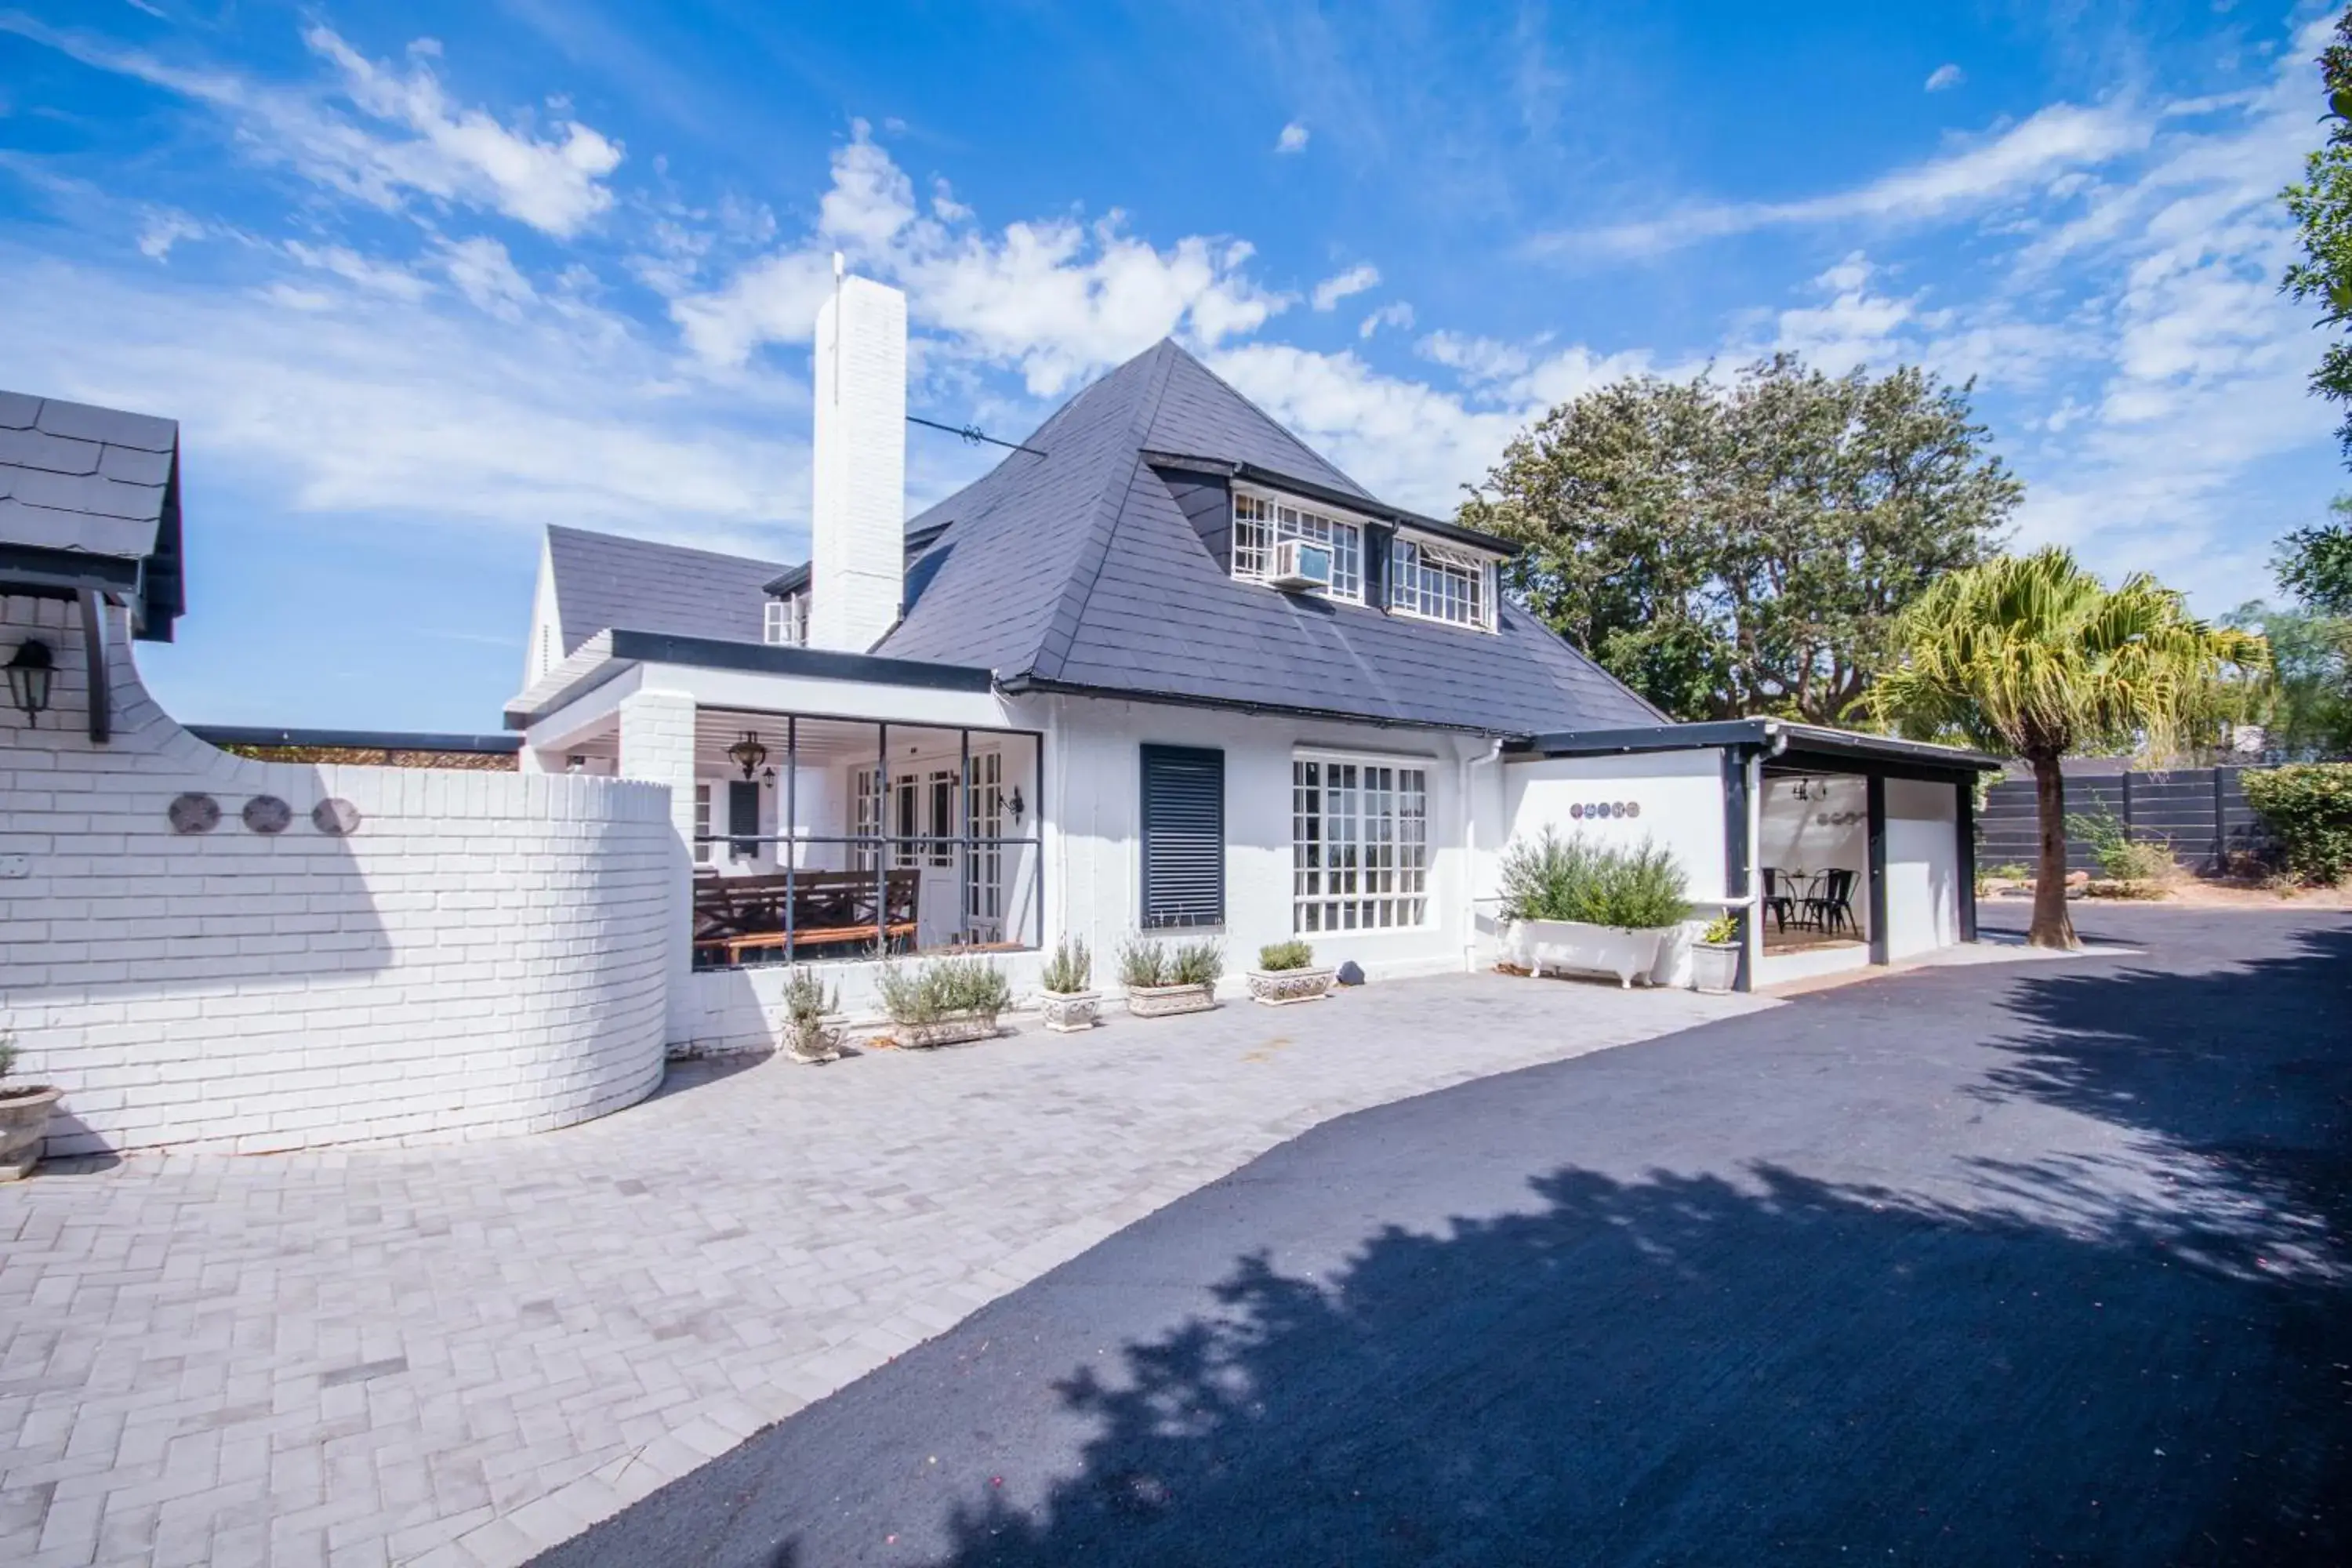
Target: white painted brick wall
<point>489,953</point>
<point>858,466</point>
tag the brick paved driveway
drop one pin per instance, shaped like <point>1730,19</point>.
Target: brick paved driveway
<point>462,1355</point>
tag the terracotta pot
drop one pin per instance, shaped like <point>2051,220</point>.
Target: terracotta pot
<point>24,1123</point>
<point>1280,987</point>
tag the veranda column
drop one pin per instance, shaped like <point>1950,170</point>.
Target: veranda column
<point>657,747</point>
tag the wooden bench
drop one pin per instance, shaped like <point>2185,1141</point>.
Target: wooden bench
<point>735,915</point>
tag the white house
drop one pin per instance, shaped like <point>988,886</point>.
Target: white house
<point>1163,669</point>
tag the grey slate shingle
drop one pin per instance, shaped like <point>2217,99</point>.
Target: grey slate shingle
<point>604,581</point>
<point>1079,567</point>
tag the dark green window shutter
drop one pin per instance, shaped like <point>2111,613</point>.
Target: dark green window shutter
<point>1183,837</point>
<point>743,818</point>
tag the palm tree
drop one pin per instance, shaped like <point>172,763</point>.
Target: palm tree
<point>2034,655</point>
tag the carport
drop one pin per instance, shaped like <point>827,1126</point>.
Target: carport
<point>1838,849</point>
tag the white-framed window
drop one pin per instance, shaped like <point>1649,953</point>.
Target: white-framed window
<point>1359,843</point>
<point>702,825</point>
<point>787,620</point>
<point>984,897</point>
<point>865,817</point>
<point>1440,584</point>
<point>1260,523</point>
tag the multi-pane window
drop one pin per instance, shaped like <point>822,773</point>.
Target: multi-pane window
<point>865,817</point>
<point>1360,844</point>
<point>1259,524</point>
<point>1426,579</point>
<point>984,898</point>
<point>787,620</point>
<point>702,825</point>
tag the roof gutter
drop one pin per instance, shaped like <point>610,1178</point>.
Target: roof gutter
<point>1024,684</point>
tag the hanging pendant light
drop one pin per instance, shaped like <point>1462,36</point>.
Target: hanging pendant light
<point>748,752</point>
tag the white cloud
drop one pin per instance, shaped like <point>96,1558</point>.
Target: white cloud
<point>1341,286</point>
<point>486,275</point>
<point>164,230</point>
<point>1852,326</point>
<point>351,266</point>
<point>1946,77</point>
<point>1292,140</point>
<point>2050,142</point>
<point>451,153</point>
<point>1396,313</point>
<point>1054,298</point>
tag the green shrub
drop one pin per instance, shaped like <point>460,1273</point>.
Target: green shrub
<point>1069,968</point>
<point>1277,956</point>
<point>1722,932</point>
<point>808,1001</point>
<point>2123,858</point>
<point>1142,964</point>
<point>942,988</point>
<point>1199,963</point>
<point>2014,871</point>
<point>1576,879</point>
<point>7,1054</point>
<point>2308,806</point>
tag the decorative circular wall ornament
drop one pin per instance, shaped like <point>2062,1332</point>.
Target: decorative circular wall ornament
<point>193,813</point>
<point>335,818</point>
<point>267,814</point>
<point>1633,808</point>
<point>1576,812</point>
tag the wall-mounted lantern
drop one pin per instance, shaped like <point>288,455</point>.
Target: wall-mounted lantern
<point>1015,807</point>
<point>30,668</point>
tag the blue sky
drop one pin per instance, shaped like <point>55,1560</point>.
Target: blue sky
<point>419,280</point>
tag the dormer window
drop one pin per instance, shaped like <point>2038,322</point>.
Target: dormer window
<point>1439,582</point>
<point>1261,522</point>
<point>787,622</point>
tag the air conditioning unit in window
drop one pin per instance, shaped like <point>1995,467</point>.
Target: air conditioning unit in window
<point>1301,566</point>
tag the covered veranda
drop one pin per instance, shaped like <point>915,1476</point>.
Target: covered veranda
<point>832,809</point>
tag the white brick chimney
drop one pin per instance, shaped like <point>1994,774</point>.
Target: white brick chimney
<point>857,563</point>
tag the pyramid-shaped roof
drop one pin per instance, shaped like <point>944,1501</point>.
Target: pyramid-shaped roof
<point>1080,569</point>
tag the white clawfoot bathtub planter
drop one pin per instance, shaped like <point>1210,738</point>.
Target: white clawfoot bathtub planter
<point>1623,951</point>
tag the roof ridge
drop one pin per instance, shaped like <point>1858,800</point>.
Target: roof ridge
<point>1110,504</point>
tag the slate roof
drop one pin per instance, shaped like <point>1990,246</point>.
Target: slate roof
<point>1077,569</point>
<point>90,498</point>
<point>604,581</point>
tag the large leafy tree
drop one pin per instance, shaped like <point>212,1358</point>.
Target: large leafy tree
<point>2034,655</point>
<point>2322,207</point>
<point>1744,547</point>
<point>2315,564</point>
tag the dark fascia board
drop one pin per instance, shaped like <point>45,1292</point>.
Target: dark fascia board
<point>1024,685</point>
<point>1185,463</point>
<point>817,664</point>
<point>917,540</point>
<point>354,740</point>
<point>49,573</point>
<point>1807,740</point>
<point>631,648</point>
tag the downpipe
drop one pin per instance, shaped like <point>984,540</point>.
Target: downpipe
<point>1470,856</point>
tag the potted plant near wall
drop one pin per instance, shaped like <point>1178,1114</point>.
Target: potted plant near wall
<point>945,1002</point>
<point>1577,904</point>
<point>1064,994</point>
<point>1286,972</point>
<point>1715,956</point>
<point>813,1021</point>
<point>1164,978</point>
<point>24,1116</point>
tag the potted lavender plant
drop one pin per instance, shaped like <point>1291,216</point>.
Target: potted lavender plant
<point>24,1116</point>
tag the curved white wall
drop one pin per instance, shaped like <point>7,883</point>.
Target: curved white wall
<point>484,955</point>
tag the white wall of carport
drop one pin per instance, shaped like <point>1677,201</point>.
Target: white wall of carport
<point>1922,866</point>
<point>1681,798</point>
<point>1093,795</point>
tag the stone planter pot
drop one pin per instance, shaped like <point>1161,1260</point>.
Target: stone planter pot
<point>24,1122</point>
<point>1714,965</point>
<point>1165,1001</point>
<point>955,1029</point>
<point>1069,1012</point>
<point>1280,987</point>
<point>825,1047</point>
<point>1622,950</point>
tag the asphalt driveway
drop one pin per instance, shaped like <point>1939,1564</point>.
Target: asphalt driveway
<point>2031,1263</point>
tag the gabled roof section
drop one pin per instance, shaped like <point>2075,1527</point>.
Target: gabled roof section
<point>1079,570</point>
<point>607,580</point>
<point>90,498</point>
